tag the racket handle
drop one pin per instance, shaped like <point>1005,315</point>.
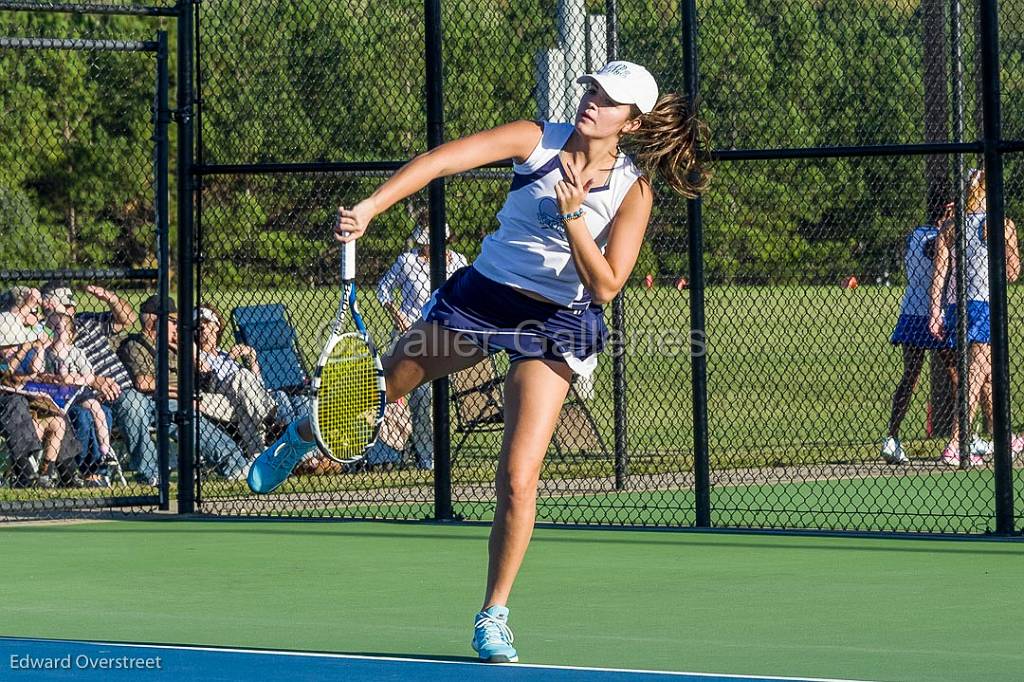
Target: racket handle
<point>348,261</point>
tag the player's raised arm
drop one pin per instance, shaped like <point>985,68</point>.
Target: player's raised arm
<point>510,141</point>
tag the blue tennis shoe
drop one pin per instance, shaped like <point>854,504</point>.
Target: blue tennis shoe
<point>492,639</point>
<point>275,464</point>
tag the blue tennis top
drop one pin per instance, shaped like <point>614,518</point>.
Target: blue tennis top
<point>530,250</point>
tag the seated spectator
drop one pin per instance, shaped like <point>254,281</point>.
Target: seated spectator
<point>138,352</point>
<point>234,374</point>
<point>395,430</point>
<point>32,426</point>
<point>70,365</point>
<point>133,412</point>
<point>23,302</point>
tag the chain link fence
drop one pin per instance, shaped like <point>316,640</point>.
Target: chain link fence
<point>1011,21</point>
<point>839,130</point>
<point>84,161</point>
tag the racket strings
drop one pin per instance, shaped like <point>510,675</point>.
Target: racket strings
<point>349,399</point>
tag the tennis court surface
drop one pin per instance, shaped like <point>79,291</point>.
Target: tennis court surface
<point>54,659</point>
<point>255,600</point>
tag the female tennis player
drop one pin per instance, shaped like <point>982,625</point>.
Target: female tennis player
<point>942,309</point>
<point>911,332</point>
<point>568,237</point>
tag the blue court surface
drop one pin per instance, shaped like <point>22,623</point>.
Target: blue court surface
<point>57,659</point>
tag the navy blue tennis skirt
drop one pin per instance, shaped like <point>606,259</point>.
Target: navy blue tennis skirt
<point>912,330</point>
<point>497,317</point>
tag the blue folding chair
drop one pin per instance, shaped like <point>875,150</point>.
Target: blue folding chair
<point>267,329</point>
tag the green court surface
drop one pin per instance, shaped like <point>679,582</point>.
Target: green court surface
<point>856,608</point>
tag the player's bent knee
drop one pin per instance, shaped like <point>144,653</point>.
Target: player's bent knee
<point>520,490</point>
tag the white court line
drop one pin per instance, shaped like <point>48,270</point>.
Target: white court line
<point>314,654</point>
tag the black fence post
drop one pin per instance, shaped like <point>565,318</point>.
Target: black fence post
<point>618,336</point>
<point>618,349</point>
<point>162,117</point>
<point>962,413</point>
<point>991,139</point>
<point>185,417</point>
<point>438,260</point>
<point>611,14</point>
<point>698,338</point>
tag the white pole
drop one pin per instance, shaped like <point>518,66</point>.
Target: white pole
<point>597,43</point>
<point>572,38</point>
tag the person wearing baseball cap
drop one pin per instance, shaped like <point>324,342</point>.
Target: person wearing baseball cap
<point>233,376</point>
<point>569,233</point>
<point>58,293</point>
<point>626,83</point>
<point>138,353</point>
<point>403,291</point>
<point>151,306</point>
<point>96,334</point>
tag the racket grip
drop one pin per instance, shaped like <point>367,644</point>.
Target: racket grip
<point>348,261</point>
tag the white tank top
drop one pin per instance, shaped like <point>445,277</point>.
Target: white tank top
<point>919,270</point>
<point>530,250</point>
<point>977,262</point>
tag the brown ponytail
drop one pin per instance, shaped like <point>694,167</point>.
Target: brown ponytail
<point>674,144</point>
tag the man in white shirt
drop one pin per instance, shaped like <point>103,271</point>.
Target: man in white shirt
<point>409,276</point>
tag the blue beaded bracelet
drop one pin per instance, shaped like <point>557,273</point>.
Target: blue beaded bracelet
<point>566,217</point>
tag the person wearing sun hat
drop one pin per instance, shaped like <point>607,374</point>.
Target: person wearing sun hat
<point>24,303</point>
<point>16,423</point>
<point>30,426</point>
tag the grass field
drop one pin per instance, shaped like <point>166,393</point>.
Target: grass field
<point>798,375</point>
<point>791,366</point>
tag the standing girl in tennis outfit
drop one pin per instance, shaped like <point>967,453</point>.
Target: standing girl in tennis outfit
<point>911,332</point>
<point>943,309</point>
<point>569,235</point>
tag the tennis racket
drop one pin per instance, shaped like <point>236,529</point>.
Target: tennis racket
<point>348,385</point>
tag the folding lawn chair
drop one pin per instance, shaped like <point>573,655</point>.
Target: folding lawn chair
<point>266,329</point>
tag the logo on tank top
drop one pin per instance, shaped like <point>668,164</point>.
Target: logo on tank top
<point>548,216</point>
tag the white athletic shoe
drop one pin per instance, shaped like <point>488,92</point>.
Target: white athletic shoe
<point>980,446</point>
<point>892,452</point>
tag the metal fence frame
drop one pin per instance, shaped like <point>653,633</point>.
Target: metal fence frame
<point>991,145</point>
<point>192,170</point>
<point>161,117</point>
